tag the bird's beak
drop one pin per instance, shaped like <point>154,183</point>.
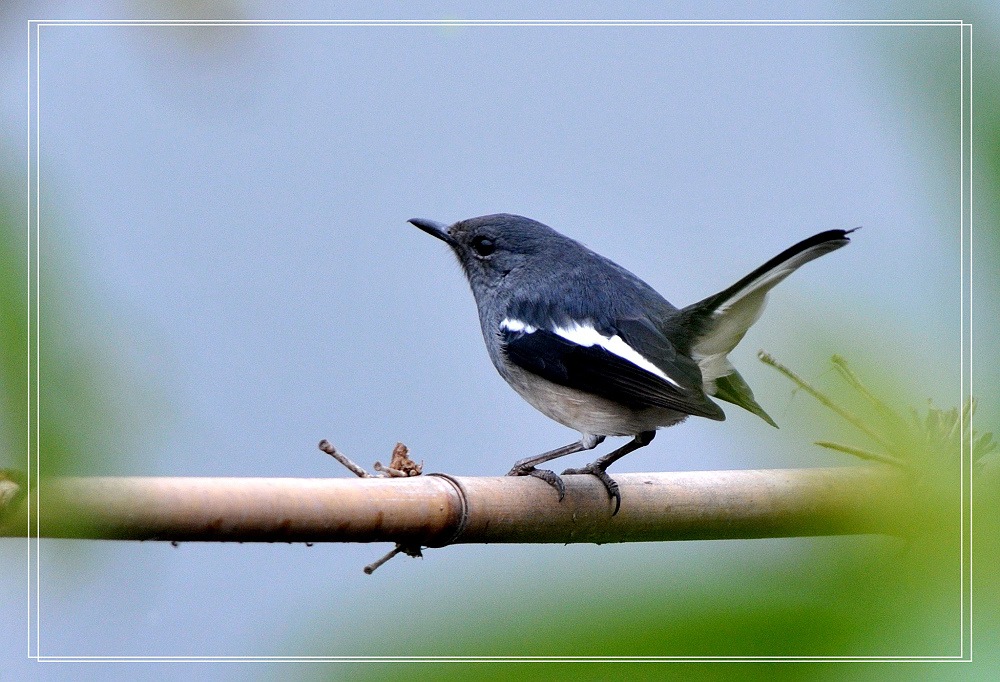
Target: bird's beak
<point>435,229</point>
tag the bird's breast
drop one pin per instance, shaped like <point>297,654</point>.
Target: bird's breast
<point>586,412</point>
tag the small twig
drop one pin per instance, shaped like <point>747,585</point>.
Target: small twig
<point>328,448</point>
<point>865,454</point>
<point>370,568</point>
<point>389,471</point>
<point>840,364</point>
<point>801,383</point>
<point>409,551</point>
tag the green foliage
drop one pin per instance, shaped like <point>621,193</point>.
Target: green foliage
<point>919,443</point>
<point>78,396</point>
<point>13,342</point>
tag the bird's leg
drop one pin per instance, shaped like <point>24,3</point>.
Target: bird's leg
<point>600,465</point>
<point>526,466</point>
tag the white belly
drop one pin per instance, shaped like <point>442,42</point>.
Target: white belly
<point>585,412</point>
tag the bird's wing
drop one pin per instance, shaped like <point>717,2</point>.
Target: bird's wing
<point>630,363</point>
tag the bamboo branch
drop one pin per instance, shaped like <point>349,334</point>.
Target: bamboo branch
<point>437,510</point>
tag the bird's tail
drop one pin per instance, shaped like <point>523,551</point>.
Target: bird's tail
<point>717,323</point>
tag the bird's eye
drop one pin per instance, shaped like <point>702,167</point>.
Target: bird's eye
<point>483,246</point>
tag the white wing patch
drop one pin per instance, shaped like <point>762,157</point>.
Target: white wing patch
<point>517,326</point>
<point>585,335</point>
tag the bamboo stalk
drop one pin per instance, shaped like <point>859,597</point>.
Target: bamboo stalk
<point>436,510</point>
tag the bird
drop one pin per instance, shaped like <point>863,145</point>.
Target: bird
<point>595,348</point>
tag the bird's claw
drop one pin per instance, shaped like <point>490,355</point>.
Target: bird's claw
<point>609,484</point>
<point>546,475</point>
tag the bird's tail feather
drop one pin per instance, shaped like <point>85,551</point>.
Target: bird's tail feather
<point>720,321</point>
<point>733,389</point>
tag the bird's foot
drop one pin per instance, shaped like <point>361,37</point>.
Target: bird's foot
<point>594,469</point>
<point>546,475</point>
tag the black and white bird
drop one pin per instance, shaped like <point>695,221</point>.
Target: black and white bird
<point>595,348</point>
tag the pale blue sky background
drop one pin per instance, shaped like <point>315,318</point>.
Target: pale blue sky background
<point>227,208</point>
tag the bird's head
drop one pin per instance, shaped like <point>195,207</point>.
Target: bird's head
<point>490,247</point>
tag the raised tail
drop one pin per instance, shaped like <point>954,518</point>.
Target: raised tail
<point>715,325</point>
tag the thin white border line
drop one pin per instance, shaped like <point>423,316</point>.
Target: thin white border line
<point>37,24</point>
<point>512,659</point>
<point>502,24</point>
<point>509,22</point>
<point>969,328</point>
<point>965,447</point>
<point>961,333</point>
<point>30,497</point>
<point>38,394</point>
<point>965,337</point>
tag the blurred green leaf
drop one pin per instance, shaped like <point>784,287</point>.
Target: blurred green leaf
<point>87,408</point>
<point>13,341</point>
